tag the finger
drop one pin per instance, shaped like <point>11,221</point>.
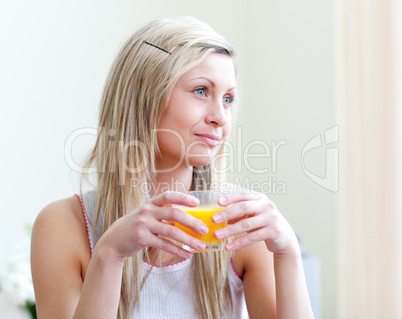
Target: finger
<point>232,198</point>
<point>240,209</point>
<point>242,226</point>
<point>172,232</point>
<point>249,239</point>
<point>168,198</point>
<point>167,222</point>
<point>169,247</point>
<point>178,215</point>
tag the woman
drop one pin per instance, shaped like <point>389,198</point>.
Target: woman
<point>167,107</point>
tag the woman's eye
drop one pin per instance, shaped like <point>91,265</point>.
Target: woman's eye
<point>228,100</point>
<point>200,91</point>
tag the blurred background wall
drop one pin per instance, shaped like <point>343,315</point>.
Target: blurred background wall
<point>54,59</point>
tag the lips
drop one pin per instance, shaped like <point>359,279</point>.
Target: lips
<point>210,139</point>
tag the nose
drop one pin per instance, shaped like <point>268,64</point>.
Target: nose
<point>217,115</point>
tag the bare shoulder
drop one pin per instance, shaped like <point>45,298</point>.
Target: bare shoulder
<point>60,227</point>
<point>65,212</point>
<point>59,256</point>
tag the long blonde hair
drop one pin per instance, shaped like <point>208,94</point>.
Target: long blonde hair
<point>136,94</point>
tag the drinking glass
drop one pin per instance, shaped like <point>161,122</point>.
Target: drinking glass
<point>204,211</point>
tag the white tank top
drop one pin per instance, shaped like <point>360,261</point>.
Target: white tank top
<point>168,290</point>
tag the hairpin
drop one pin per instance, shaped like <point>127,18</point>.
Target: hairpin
<point>157,47</point>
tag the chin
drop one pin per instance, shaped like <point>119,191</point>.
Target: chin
<point>201,156</point>
<point>199,161</point>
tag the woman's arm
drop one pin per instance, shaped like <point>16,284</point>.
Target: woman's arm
<point>291,290</point>
<point>70,284</point>
<point>258,217</point>
<point>101,289</point>
<point>255,264</point>
<point>60,257</point>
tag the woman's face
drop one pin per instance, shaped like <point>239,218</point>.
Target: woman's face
<point>198,115</point>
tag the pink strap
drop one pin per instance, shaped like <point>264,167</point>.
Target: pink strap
<point>86,222</point>
<point>234,270</point>
<point>167,265</point>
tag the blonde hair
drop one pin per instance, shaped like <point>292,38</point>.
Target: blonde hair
<point>136,94</point>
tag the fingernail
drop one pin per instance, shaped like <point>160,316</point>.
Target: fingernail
<point>217,218</point>
<point>194,201</point>
<point>204,229</point>
<point>229,246</point>
<point>200,246</point>
<point>223,200</point>
<point>218,234</point>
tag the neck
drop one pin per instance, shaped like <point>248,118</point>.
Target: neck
<point>178,180</point>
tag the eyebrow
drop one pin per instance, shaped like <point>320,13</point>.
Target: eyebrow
<point>210,81</point>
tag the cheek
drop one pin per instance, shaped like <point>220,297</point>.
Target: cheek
<point>176,117</point>
<point>227,128</point>
<point>171,144</point>
<point>169,134</point>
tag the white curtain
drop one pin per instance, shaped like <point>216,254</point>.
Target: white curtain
<point>368,81</point>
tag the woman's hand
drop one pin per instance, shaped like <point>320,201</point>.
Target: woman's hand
<point>151,225</point>
<point>256,215</point>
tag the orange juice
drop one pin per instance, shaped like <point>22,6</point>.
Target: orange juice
<point>204,213</point>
